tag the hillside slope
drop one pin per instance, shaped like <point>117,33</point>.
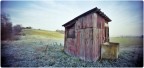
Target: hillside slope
<point>43,33</point>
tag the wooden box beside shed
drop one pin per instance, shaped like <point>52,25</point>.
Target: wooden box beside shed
<point>109,50</point>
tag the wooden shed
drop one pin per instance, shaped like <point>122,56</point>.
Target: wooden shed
<point>85,34</point>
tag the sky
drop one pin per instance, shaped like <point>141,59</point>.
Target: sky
<point>126,16</point>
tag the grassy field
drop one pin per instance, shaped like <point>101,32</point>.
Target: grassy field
<point>44,33</point>
<point>128,41</point>
<point>40,48</point>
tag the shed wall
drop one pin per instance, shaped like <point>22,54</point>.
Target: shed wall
<point>89,35</point>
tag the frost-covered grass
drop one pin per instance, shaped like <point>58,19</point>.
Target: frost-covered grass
<point>37,51</point>
<point>29,51</point>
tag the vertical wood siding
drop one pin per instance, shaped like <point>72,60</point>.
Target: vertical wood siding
<point>88,43</point>
<point>89,35</point>
<point>82,46</point>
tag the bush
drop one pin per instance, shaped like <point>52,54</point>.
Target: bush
<point>17,29</point>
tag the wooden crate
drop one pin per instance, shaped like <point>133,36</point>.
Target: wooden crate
<point>109,50</point>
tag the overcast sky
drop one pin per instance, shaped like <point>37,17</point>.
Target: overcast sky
<point>126,16</point>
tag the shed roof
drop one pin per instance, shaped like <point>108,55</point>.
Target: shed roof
<point>96,10</point>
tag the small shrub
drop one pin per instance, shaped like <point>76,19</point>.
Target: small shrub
<point>16,37</point>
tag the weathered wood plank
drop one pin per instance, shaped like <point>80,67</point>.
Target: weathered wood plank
<point>70,46</point>
<point>95,49</point>
<point>87,21</point>
<point>82,46</point>
<point>88,43</point>
<point>78,43</point>
<point>77,25</point>
<point>94,20</point>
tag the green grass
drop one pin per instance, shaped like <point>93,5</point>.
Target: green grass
<point>43,33</point>
<point>31,51</point>
<point>127,41</point>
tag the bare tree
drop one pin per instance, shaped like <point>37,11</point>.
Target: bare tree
<point>6,27</point>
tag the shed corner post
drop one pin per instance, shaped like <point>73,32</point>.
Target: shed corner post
<point>65,39</point>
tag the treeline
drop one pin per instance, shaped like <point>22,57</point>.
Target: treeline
<point>140,36</point>
<point>27,27</point>
<point>60,31</point>
<point>8,30</point>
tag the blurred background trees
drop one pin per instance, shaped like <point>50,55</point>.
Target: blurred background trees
<point>60,31</point>
<point>6,27</point>
<point>8,31</point>
<point>17,29</point>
